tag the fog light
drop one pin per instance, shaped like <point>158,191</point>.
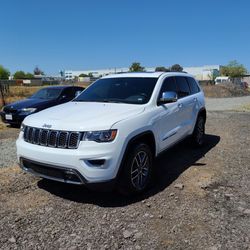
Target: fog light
<point>96,162</point>
<point>69,175</point>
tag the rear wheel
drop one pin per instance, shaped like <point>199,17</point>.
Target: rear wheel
<point>137,170</point>
<point>199,132</point>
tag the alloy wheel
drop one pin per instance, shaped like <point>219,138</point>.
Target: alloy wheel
<point>200,131</point>
<point>140,170</point>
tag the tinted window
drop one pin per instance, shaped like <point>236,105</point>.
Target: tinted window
<point>183,88</point>
<point>47,93</point>
<point>168,85</point>
<point>126,90</point>
<point>193,85</point>
<point>68,93</point>
<point>71,92</point>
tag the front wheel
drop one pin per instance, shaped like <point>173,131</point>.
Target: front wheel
<point>199,132</point>
<point>137,170</point>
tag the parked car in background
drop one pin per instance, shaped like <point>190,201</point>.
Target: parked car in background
<point>222,79</point>
<point>14,113</point>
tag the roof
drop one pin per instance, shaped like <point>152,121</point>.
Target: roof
<point>60,86</point>
<point>145,74</point>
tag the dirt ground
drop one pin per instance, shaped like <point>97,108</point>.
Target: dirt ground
<point>201,200</point>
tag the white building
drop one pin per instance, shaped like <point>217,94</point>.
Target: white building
<point>71,74</point>
<point>201,73</point>
<point>206,72</point>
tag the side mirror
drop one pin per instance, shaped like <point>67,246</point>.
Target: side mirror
<point>63,97</point>
<point>168,97</point>
<point>77,93</point>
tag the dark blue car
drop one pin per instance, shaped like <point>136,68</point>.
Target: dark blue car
<point>14,113</point>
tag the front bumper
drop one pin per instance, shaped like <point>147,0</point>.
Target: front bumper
<point>16,118</point>
<point>77,163</point>
<point>52,172</point>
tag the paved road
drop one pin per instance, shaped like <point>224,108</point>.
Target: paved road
<point>232,103</point>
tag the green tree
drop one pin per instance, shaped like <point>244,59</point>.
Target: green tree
<point>22,75</point>
<point>90,74</point>
<point>38,72</point>
<point>19,75</point>
<point>176,68</point>
<point>4,73</point>
<point>161,69</point>
<point>233,69</point>
<point>136,67</point>
<point>29,75</point>
<point>83,75</point>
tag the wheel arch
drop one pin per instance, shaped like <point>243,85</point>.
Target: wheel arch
<point>202,112</point>
<point>146,137</point>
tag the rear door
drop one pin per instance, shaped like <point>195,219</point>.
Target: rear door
<point>195,90</point>
<point>186,103</point>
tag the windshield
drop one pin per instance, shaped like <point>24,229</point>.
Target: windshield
<point>132,90</point>
<point>47,94</point>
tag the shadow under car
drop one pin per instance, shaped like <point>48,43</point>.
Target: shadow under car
<point>168,167</point>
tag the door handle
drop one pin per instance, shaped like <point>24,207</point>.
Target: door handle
<point>195,99</point>
<point>180,105</point>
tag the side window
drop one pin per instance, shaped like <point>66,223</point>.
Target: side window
<point>168,85</point>
<point>69,93</point>
<point>194,88</point>
<point>183,88</point>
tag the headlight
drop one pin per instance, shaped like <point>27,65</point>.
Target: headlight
<point>100,136</point>
<point>28,110</point>
<point>22,128</point>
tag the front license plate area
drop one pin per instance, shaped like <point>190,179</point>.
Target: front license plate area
<point>8,117</point>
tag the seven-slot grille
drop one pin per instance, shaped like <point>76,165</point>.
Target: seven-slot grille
<point>52,138</point>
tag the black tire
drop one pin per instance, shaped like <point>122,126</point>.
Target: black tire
<point>136,173</point>
<point>199,132</point>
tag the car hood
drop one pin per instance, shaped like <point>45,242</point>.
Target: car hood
<point>83,116</point>
<point>27,103</point>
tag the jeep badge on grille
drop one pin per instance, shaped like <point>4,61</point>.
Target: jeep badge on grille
<point>46,125</point>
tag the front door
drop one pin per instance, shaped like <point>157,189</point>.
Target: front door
<point>169,119</point>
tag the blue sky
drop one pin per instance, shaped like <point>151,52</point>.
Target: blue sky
<point>91,34</point>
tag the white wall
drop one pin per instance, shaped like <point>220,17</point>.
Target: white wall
<point>201,73</point>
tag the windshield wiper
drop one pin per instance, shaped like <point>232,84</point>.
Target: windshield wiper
<point>101,100</point>
<point>111,100</point>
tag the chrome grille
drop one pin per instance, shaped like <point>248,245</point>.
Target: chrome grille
<point>63,139</point>
<point>73,139</point>
<point>52,138</point>
<point>30,134</point>
<point>36,135</point>
<point>43,137</point>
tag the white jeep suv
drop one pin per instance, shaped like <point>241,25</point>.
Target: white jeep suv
<point>111,132</point>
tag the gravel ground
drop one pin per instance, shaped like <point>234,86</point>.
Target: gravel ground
<point>7,147</point>
<point>8,153</point>
<point>201,200</point>
<point>231,103</point>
